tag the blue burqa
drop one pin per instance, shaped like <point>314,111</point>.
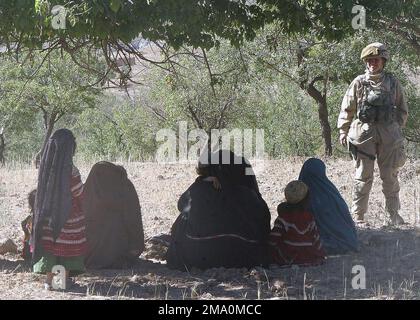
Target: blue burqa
<point>332,216</point>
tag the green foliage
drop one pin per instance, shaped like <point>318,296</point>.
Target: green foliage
<point>124,131</point>
<point>23,143</point>
<point>187,22</point>
<point>331,19</point>
<point>288,118</point>
<point>256,98</point>
<point>210,84</point>
<point>51,83</point>
<point>412,129</point>
<point>195,23</point>
<point>305,58</point>
<point>37,93</point>
<point>204,88</point>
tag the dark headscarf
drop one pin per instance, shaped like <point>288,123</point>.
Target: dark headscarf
<point>113,217</point>
<point>231,170</point>
<point>104,185</point>
<point>228,227</point>
<point>336,227</point>
<point>53,198</point>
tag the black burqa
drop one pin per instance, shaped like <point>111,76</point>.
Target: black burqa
<point>113,218</point>
<point>53,202</point>
<point>220,228</point>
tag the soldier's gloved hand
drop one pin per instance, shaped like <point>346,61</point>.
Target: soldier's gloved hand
<point>343,139</point>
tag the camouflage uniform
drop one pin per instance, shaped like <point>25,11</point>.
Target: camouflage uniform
<point>380,139</point>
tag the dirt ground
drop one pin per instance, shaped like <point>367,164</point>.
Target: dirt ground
<point>389,256</point>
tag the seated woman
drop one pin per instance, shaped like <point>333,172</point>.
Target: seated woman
<point>224,221</point>
<point>332,215</point>
<point>58,228</point>
<point>114,227</point>
<point>294,239</point>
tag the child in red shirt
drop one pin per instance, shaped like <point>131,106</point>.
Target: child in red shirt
<point>294,239</point>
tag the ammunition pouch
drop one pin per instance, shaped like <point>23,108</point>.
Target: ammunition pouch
<point>379,114</point>
<point>367,113</point>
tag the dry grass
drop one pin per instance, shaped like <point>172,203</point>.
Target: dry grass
<point>391,256</point>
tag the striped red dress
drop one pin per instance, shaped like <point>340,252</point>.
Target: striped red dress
<point>72,239</point>
<point>294,238</point>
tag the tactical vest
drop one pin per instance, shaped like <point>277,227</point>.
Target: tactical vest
<point>377,105</point>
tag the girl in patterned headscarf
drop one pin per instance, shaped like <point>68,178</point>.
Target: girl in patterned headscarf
<point>58,234</point>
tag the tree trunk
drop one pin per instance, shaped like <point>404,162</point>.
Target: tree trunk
<point>319,97</point>
<point>321,101</point>
<point>2,147</point>
<point>49,127</point>
<point>325,125</point>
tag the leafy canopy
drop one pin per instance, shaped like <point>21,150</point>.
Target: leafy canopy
<point>186,22</point>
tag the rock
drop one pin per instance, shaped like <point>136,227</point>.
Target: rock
<point>278,285</point>
<point>156,251</point>
<point>7,245</point>
<point>206,296</point>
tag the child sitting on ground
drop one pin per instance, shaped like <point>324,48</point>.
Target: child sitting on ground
<point>294,239</point>
<point>27,227</point>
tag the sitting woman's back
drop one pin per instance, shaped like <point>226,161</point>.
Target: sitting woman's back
<point>113,217</point>
<point>219,226</point>
<point>332,215</point>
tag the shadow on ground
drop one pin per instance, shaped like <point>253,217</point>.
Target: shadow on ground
<point>9,264</point>
<point>389,259</point>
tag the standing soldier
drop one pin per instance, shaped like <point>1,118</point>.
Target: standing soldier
<point>377,100</point>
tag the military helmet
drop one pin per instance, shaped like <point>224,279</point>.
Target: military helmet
<point>374,50</point>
